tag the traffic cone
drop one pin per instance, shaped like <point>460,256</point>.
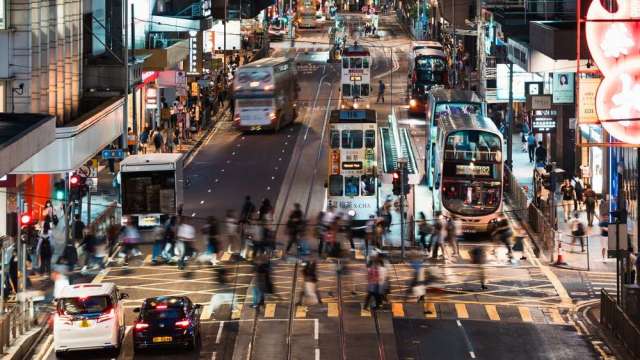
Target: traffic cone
<point>560,261</point>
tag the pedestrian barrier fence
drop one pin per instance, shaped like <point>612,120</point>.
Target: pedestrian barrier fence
<point>517,195</point>
<point>613,318</point>
<point>16,321</point>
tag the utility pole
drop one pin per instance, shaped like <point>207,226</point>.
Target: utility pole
<point>509,119</point>
<point>125,63</point>
<point>134,112</point>
<point>402,166</point>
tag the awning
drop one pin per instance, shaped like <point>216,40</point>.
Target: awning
<point>78,142</point>
<point>22,136</point>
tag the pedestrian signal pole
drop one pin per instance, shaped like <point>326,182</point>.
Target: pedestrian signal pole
<point>402,166</point>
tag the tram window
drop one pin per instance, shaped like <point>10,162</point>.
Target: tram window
<point>346,89</point>
<point>351,139</point>
<point>356,63</point>
<point>365,63</point>
<point>335,139</point>
<point>345,63</point>
<point>355,90</point>
<point>364,88</point>
<point>368,185</point>
<point>335,185</point>
<point>370,139</point>
<point>351,186</point>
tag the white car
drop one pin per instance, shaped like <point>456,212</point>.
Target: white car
<point>88,317</point>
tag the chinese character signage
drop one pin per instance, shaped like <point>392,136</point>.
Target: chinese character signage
<point>563,88</point>
<point>544,121</point>
<point>587,100</point>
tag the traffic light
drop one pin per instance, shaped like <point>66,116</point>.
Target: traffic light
<point>397,185</point>
<point>405,182</point>
<point>77,187</point>
<point>58,190</point>
<point>25,219</point>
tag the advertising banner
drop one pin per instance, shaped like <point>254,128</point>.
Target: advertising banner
<point>563,88</point>
<point>587,100</point>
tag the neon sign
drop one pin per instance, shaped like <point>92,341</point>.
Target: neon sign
<point>614,47</point>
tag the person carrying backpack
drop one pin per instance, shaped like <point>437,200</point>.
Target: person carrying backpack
<point>589,203</point>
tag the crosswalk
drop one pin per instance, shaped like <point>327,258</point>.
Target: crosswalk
<point>427,310</point>
<point>601,280</point>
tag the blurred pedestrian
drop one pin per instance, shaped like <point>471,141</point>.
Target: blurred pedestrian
<point>452,236</point>
<point>578,230</point>
<point>130,240</point>
<point>424,229</point>
<point>144,138</point>
<point>186,236</point>
<point>309,294</point>
<point>541,155</point>
<point>590,199</point>
<point>503,233</point>
<point>319,233</point>
<point>132,141</point>
<point>437,239</point>
<point>231,231</point>
<point>579,192</point>
<point>45,249</point>
<point>263,284</point>
<point>373,277</point>
<point>295,225</point>
<point>418,282</point>
<point>568,198</point>
<point>531,146</point>
<point>478,257</point>
<point>77,229</point>
<point>211,231</point>
<point>381,88</point>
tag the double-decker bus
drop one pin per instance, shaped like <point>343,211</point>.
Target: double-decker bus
<point>352,184</point>
<point>427,70</point>
<point>468,166</point>
<point>306,14</point>
<point>442,104</point>
<point>266,92</point>
<point>355,78</point>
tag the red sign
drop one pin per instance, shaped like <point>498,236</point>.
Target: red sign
<point>8,181</point>
<point>613,39</point>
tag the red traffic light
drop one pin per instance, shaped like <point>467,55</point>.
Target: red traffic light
<point>396,175</point>
<point>74,180</point>
<point>25,219</point>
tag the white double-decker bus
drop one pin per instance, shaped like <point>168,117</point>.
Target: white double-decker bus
<point>468,170</point>
<point>355,78</point>
<point>265,92</point>
<point>352,184</point>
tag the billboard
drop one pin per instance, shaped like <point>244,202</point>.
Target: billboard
<point>563,88</point>
<point>520,77</point>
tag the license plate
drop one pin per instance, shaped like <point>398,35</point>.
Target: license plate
<point>85,324</point>
<point>159,339</point>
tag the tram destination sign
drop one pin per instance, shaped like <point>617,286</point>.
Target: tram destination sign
<point>544,121</point>
<point>352,165</point>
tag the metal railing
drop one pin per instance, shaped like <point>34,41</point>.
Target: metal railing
<point>613,318</point>
<point>16,321</point>
<point>517,195</point>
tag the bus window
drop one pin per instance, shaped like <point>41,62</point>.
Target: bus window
<point>370,139</point>
<point>351,139</point>
<point>351,186</point>
<point>368,185</point>
<point>364,88</point>
<point>345,63</point>
<point>356,63</point>
<point>471,198</point>
<point>346,89</point>
<point>335,139</point>
<point>335,185</point>
<point>365,62</point>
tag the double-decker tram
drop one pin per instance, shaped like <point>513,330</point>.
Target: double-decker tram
<point>306,14</point>
<point>355,78</point>
<point>468,168</point>
<point>352,184</point>
<point>427,70</point>
<point>442,104</point>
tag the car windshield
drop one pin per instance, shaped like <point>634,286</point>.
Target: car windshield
<point>155,310</point>
<point>84,305</point>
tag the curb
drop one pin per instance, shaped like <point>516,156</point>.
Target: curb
<point>222,113</point>
<point>603,342</point>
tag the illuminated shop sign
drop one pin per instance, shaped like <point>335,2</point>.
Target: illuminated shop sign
<point>473,170</point>
<point>613,39</point>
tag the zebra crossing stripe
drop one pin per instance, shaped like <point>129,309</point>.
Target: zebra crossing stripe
<point>461,310</point>
<point>525,314</point>
<point>556,318</point>
<point>270,310</point>
<point>430,310</point>
<point>397,310</point>
<point>492,312</point>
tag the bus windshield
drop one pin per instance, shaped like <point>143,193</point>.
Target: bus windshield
<point>445,111</point>
<point>471,197</point>
<point>430,69</point>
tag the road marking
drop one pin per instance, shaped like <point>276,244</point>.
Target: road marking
<point>464,254</point>
<point>147,259</point>
<point>525,314</point>
<point>365,312</point>
<point>98,279</point>
<point>270,310</point>
<point>492,312</point>
<point>235,314</point>
<point>472,354</point>
<point>213,356</point>
<point>317,354</point>
<point>226,256</point>
<point>208,309</point>
<point>461,310</point>
<point>555,316</point>
<point>430,309</point>
<point>397,309</point>
<point>332,309</point>
<point>316,329</point>
<point>219,336</point>
<point>301,311</point>
<point>359,254</point>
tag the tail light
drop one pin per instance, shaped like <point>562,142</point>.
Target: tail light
<point>139,326</point>
<point>106,316</point>
<point>412,102</point>
<point>183,323</point>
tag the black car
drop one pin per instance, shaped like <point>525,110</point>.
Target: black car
<point>167,321</point>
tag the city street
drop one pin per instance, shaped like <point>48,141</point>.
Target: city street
<point>525,313</point>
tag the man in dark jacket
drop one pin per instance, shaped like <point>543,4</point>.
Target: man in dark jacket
<point>541,154</point>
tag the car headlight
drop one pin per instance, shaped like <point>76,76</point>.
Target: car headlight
<point>413,102</point>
